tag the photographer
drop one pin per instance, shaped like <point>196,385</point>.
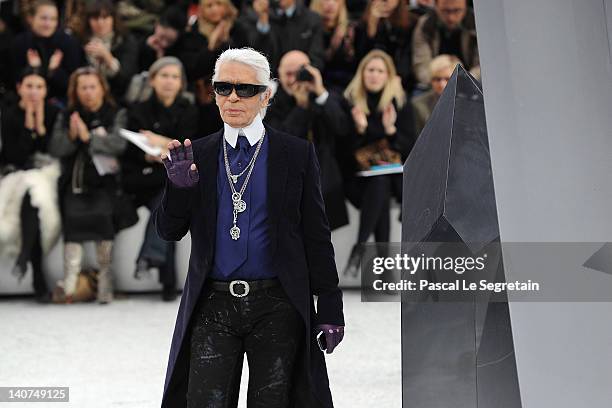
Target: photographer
<point>279,26</point>
<point>303,107</point>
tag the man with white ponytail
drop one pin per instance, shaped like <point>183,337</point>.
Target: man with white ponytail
<point>260,251</point>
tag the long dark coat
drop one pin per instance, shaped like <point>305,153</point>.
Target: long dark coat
<point>302,254</point>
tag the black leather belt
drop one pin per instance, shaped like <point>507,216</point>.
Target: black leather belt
<point>241,288</point>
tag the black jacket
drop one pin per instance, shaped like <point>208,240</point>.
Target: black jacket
<point>57,80</point>
<point>340,62</point>
<point>125,49</point>
<point>301,251</point>
<point>199,61</point>
<point>302,31</point>
<point>395,41</point>
<point>402,141</point>
<point>325,125</point>
<point>19,143</point>
<point>178,121</point>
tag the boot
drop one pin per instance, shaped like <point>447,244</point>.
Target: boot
<point>105,279</point>
<point>354,261</point>
<point>169,293</point>
<point>73,255</point>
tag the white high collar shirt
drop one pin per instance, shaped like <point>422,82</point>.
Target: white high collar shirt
<point>253,132</point>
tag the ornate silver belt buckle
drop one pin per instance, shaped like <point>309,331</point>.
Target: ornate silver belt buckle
<point>239,282</point>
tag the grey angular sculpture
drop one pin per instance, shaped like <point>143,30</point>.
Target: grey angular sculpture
<point>458,354</point>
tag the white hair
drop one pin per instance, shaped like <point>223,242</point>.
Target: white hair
<point>253,59</point>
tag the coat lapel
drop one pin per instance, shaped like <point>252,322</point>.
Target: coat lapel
<point>208,169</point>
<point>278,164</point>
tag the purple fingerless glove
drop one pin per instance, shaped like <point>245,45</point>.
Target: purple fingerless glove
<point>333,335</point>
<point>178,167</point>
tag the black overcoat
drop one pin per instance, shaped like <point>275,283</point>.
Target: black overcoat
<point>302,255</point>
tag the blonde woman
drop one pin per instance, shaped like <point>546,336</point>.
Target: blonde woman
<point>214,30</point>
<point>383,133</point>
<point>338,41</point>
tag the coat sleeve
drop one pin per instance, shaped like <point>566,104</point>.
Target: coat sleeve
<point>17,141</point>
<point>112,143</point>
<point>421,53</point>
<point>60,144</point>
<point>295,122</point>
<point>334,115</point>
<point>318,246</point>
<point>172,217</point>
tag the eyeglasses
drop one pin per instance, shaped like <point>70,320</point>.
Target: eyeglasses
<point>242,90</point>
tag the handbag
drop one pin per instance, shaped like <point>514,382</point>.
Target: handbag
<point>376,153</point>
<point>96,209</point>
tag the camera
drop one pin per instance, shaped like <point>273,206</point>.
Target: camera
<point>303,75</point>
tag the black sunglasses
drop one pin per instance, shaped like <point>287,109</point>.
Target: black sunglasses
<point>242,90</point>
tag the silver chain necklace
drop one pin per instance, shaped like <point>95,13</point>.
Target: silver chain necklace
<point>238,204</point>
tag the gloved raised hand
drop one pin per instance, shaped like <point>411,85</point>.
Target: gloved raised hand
<point>182,171</point>
<point>333,335</point>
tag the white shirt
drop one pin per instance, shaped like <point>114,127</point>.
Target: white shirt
<point>253,132</point>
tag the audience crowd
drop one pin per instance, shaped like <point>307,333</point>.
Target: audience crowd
<point>358,78</point>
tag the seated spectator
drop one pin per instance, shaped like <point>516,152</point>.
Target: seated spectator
<point>165,116</point>
<point>441,68</point>
<point>387,25</point>
<point>291,26</point>
<point>304,108</point>
<point>449,29</point>
<point>109,48</point>
<point>47,47</point>
<point>382,133</point>
<point>214,31</point>
<point>168,29</point>
<point>86,137</point>
<point>34,215</point>
<point>338,42</point>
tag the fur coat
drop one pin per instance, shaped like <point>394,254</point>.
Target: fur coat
<point>41,183</point>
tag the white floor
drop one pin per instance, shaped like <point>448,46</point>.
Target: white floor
<point>115,355</point>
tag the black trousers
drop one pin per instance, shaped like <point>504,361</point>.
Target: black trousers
<point>376,195</point>
<point>265,326</point>
<point>31,250</point>
<point>157,252</point>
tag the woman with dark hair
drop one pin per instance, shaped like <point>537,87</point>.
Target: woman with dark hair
<point>382,133</point>
<point>32,180</point>
<point>86,137</point>
<point>48,48</point>
<point>162,42</point>
<point>387,25</point>
<point>215,30</point>
<point>109,48</point>
<point>166,115</point>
